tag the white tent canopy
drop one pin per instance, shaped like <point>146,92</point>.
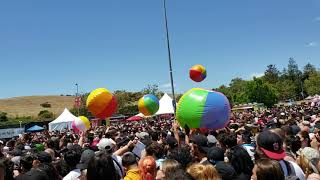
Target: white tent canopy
<point>64,121</point>
<point>165,105</point>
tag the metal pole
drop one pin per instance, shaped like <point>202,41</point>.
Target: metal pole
<point>169,55</point>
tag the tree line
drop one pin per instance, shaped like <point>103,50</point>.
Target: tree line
<point>289,84</point>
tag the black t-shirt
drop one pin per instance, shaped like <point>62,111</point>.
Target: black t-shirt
<point>33,174</point>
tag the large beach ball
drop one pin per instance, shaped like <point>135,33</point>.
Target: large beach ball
<point>148,105</point>
<point>200,108</point>
<point>81,123</point>
<point>101,103</point>
<point>198,73</point>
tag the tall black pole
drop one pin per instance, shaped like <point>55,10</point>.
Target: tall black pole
<point>169,55</point>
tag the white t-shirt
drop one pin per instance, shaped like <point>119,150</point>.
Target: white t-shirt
<point>73,175</point>
<point>298,170</point>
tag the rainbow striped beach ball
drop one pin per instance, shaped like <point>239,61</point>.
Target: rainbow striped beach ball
<point>148,105</point>
<point>200,108</point>
<point>198,73</point>
<point>101,103</point>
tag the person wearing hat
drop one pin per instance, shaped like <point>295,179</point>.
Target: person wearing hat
<point>270,145</point>
<point>86,156</point>
<point>108,145</point>
<point>304,160</point>
<point>200,147</point>
<point>215,157</point>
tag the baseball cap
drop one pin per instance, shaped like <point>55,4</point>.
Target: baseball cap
<point>105,144</point>
<point>35,174</point>
<point>271,145</point>
<point>39,147</point>
<point>309,153</point>
<point>43,157</point>
<point>201,141</point>
<point>172,142</point>
<point>86,156</point>
<point>211,139</point>
<point>215,154</point>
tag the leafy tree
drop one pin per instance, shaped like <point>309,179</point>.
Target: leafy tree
<point>128,110</point>
<point>285,89</point>
<point>271,75</point>
<point>258,91</point>
<point>45,114</point>
<point>237,90</point>
<point>308,69</point>
<point>3,116</point>
<point>293,71</point>
<point>151,89</point>
<point>312,85</point>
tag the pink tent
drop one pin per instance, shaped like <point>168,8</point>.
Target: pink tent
<point>134,118</point>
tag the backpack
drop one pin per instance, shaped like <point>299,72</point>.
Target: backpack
<point>288,170</point>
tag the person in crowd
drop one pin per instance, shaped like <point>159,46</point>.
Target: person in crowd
<point>130,164</point>
<point>168,166</point>
<point>241,162</point>
<point>179,174</point>
<point>244,139</point>
<point>102,167</point>
<point>267,169</point>
<point>203,172</point>
<point>304,160</point>
<point>155,150</point>
<point>305,139</point>
<point>182,155</point>
<point>216,158</point>
<point>227,140</point>
<point>86,156</point>
<point>200,147</point>
<point>148,168</point>
<point>270,145</point>
<point>72,158</point>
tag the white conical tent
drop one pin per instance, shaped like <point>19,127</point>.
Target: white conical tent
<point>64,121</point>
<point>165,105</point>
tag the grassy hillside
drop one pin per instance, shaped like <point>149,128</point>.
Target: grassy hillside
<point>30,105</point>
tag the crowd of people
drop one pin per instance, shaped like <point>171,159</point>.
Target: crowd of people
<point>274,144</point>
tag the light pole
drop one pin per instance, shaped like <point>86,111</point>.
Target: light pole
<point>169,54</point>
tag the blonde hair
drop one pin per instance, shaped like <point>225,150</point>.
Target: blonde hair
<point>203,172</point>
<point>305,164</point>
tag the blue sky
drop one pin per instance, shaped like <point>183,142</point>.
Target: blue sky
<point>48,46</point>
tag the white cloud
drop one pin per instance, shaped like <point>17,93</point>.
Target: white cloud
<point>312,44</point>
<point>166,85</point>
<point>256,75</point>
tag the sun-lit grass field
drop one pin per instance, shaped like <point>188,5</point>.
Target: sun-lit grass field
<point>30,105</point>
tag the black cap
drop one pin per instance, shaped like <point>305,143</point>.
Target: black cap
<point>35,174</point>
<point>15,152</point>
<point>44,157</point>
<point>215,154</point>
<point>201,141</point>
<point>86,156</point>
<point>226,171</point>
<point>172,142</point>
<point>271,145</point>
